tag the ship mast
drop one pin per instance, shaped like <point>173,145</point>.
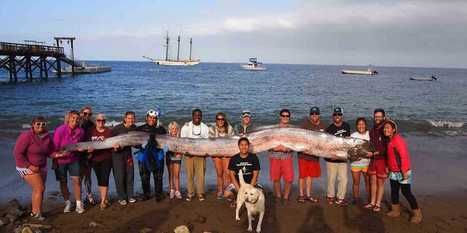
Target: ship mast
<point>167,47</point>
<point>191,42</point>
<point>178,48</point>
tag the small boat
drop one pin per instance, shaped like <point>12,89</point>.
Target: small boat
<point>424,78</point>
<point>83,68</point>
<point>174,62</point>
<point>253,65</point>
<point>369,71</point>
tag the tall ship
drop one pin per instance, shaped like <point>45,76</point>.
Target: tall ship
<point>175,62</point>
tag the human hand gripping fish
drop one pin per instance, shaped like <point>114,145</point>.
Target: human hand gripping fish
<point>311,142</point>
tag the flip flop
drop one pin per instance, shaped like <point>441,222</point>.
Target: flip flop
<point>312,199</point>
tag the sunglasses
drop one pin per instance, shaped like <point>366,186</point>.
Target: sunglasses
<point>40,124</point>
<point>220,119</point>
<point>337,114</point>
<point>100,120</point>
<point>285,116</point>
<point>314,114</point>
<point>87,113</point>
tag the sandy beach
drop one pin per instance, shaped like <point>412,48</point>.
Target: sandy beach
<point>443,213</point>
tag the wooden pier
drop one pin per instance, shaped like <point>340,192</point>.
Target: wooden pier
<point>27,58</point>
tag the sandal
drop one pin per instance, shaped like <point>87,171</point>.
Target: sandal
<point>341,202</point>
<point>369,206</point>
<point>201,197</point>
<point>330,200</point>
<point>376,208</point>
<point>312,199</point>
<point>301,199</point>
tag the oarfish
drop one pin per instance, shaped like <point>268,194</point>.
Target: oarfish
<point>300,140</point>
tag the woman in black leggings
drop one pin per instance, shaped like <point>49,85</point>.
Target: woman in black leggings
<point>400,174</point>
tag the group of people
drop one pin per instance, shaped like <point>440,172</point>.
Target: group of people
<point>388,158</point>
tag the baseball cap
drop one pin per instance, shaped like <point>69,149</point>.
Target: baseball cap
<point>338,110</point>
<point>153,112</point>
<point>314,110</point>
<point>246,113</point>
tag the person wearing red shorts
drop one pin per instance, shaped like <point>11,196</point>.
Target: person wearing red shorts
<point>281,163</point>
<point>308,165</point>
<point>377,169</point>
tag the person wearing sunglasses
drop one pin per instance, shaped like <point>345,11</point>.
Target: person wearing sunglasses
<point>101,160</point>
<point>151,164</point>
<point>281,163</point>
<point>195,166</point>
<point>308,165</point>
<point>86,123</point>
<point>122,161</point>
<point>246,124</point>
<point>68,162</point>
<point>31,151</point>
<point>337,169</point>
<point>220,129</point>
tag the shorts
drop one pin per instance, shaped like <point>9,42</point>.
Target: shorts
<point>308,168</point>
<point>22,172</point>
<point>397,176</point>
<point>378,167</point>
<point>102,170</point>
<point>281,168</point>
<point>62,170</point>
<point>363,169</point>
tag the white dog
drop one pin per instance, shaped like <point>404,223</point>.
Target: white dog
<point>254,202</point>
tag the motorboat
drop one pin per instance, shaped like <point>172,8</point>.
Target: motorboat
<point>369,71</point>
<point>253,65</point>
<point>424,78</point>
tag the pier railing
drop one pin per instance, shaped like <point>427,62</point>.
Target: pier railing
<point>30,50</point>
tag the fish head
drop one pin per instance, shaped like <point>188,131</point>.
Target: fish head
<point>359,151</point>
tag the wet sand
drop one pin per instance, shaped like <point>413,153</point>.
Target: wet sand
<point>442,213</point>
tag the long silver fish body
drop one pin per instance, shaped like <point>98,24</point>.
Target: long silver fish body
<point>300,140</point>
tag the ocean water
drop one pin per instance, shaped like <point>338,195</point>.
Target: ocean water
<point>428,112</point>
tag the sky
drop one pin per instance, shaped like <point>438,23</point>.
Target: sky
<point>428,33</point>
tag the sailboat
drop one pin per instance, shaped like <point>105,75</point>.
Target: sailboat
<point>174,62</point>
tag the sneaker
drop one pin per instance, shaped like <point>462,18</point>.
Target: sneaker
<point>178,195</point>
<point>122,202</point>
<point>172,194</point>
<point>67,207</point>
<point>159,197</point>
<point>188,197</point>
<point>37,216</point>
<point>79,207</point>
<point>132,200</point>
<point>220,196</point>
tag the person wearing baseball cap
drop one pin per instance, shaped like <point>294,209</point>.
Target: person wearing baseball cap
<point>337,169</point>
<point>150,165</point>
<point>308,165</point>
<point>245,126</point>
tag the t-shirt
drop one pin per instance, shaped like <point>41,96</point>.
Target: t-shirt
<point>247,164</point>
<point>94,135</point>
<point>189,130</point>
<point>341,131</point>
<point>306,124</point>
<point>379,142</point>
<point>364,162</point>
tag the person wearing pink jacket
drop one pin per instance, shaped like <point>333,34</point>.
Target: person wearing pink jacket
<point>400,173</point>
<point>68,162</point>
<point>31,151</point>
